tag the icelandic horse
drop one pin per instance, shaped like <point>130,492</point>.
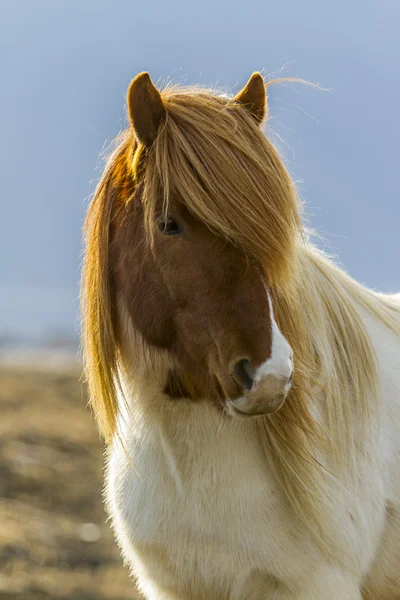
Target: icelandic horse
<point>248,389</point>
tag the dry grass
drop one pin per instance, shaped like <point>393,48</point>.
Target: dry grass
<point>50,487</point>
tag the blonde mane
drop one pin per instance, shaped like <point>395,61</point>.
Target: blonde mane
<point>211,154</point>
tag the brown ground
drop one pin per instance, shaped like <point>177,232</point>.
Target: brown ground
<point>50,490</point>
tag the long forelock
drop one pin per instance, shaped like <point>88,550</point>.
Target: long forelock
<point>212,156</point>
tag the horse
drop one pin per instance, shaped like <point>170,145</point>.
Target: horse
<point>248,389</point>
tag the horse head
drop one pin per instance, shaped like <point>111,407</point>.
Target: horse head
<point>188,289</point>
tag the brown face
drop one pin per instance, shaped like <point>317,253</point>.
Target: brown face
<point>204,301</point>
<point>192,293</point>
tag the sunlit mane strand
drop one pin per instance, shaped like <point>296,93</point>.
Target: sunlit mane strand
<point>213,157</point>
<point>97,306</point>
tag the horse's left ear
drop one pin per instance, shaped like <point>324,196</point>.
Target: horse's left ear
<point>253,96</point>
<point>146,108</point>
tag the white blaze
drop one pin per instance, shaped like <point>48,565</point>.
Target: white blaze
<point>280,362</point>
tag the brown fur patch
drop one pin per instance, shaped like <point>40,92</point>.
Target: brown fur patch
<point>195,295</point>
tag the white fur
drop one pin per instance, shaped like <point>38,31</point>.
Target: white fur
<point>198,515</point>
<point>280,362</point>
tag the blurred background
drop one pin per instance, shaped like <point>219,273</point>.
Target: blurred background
<point>65,69</point>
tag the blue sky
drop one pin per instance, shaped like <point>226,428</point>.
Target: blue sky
<point>65,69</point>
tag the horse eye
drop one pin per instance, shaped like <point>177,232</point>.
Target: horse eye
<point>169,226</point>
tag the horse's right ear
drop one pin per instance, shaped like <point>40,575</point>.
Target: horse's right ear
<point>146,108</point>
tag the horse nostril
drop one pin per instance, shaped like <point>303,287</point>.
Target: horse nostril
<point>244,373</point>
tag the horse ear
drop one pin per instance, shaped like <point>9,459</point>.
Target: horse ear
<point>253,97</point>
<point>146,108</point>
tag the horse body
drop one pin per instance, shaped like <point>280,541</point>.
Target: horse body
<point>248,389</point>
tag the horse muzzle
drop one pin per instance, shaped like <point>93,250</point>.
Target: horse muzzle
<point>263,392</point>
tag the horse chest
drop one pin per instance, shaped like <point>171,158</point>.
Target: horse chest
<point>207,503</point>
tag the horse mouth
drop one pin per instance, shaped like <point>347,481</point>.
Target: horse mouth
<point>256,396</point>
<point>232,411</point>
<point>245,408</point>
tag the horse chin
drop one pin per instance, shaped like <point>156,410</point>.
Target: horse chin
<point>243,407</point>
